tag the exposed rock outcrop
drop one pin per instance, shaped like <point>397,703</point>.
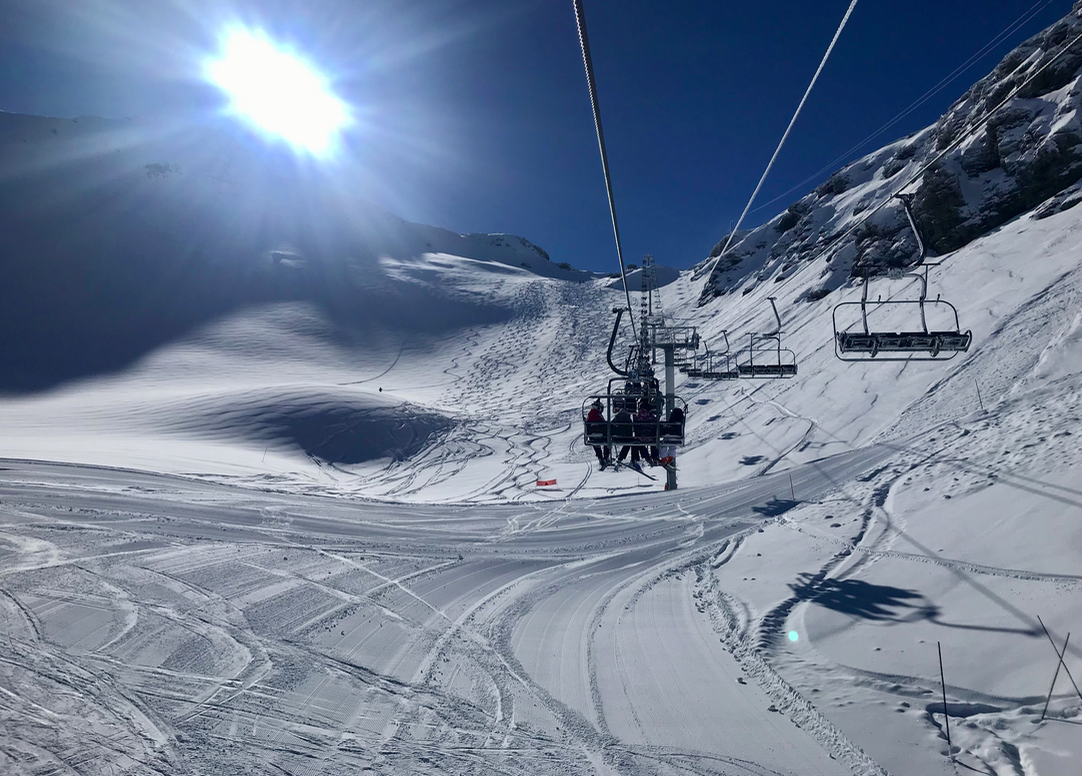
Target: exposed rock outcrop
<point>1011,143</point>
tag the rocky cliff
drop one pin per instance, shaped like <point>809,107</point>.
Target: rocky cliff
<point>1010,144</point>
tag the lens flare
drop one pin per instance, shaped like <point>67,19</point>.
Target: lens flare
<point>794,636</point>
<point>279,93</point>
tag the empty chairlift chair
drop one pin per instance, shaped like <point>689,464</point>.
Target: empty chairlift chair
<point>720,366</point>
<point>774,361</point>
<point>922,344</point>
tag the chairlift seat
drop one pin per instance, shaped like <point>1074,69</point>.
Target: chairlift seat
<point>622,433</point>
<point>932,342</point>
<point>777,362</point>
<point>767,370</point>
<point>672,432</point>
<point>922,345</point>
<point>628,433</point>
<point>647,433</point>
<point>730,374</point>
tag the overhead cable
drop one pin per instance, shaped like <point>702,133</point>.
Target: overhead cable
<point>584,41</point>
<point>958,141</point>
<point>784,137</point>
<point>1017,24</point>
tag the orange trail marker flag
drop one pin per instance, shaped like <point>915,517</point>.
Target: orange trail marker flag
<point>545,483</point>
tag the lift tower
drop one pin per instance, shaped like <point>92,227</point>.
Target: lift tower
<point>655,334</point>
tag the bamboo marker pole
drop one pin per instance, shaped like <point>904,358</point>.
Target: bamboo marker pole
<point>1055,676</point>
<point>943,684</point>
<point>1060,656</point>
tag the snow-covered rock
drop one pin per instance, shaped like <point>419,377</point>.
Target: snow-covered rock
<point>1009,144</point>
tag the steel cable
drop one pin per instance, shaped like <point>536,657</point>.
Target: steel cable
<point>1017,24</point>
<point>584,41</point>
<point>958,141</point>
<point>784,137</point>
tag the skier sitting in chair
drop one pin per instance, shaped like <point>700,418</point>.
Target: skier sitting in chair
<point>595,429</point>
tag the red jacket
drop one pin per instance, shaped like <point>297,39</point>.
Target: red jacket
<point>594,416</point>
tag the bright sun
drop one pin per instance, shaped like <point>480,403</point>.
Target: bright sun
<point>281,94</point>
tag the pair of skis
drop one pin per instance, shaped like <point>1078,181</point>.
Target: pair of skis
<point>617,465</point>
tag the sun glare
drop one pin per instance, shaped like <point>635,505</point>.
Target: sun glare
<point>278,92</point>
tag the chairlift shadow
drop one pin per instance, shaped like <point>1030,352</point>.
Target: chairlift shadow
<point>883,603</point>
<point>960,709</point>
<point>858,598</point>
<point>774,507</point>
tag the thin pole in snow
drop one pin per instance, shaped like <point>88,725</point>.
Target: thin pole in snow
<point>943,684</point>
<point>1055,676</point>
<point>791,488</point>
<point>979,393</point>
<point>1061,656</point>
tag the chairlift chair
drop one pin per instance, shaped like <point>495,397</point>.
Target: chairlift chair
<point>697,365</point>
<point>720,365</point>
<point>783,363</point>
<point>721,368</point>
<point>636,434</point>
<point>912,345</point>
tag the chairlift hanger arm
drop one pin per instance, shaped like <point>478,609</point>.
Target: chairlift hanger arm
<point>774,305</point>
<point>907,203</point>
<point>612,342</point>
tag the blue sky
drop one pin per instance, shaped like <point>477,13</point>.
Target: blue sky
<point>474,114</point>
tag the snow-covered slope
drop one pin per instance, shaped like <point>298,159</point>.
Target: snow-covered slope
<point>356,569</point>
<point>969,533</point>
<point>180,284</point>
<point>136,237</point>
<point>178,292</point>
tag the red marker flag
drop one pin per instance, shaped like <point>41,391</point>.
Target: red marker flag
<point>544,483</point>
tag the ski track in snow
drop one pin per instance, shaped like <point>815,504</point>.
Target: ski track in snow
<point>225,628</point>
